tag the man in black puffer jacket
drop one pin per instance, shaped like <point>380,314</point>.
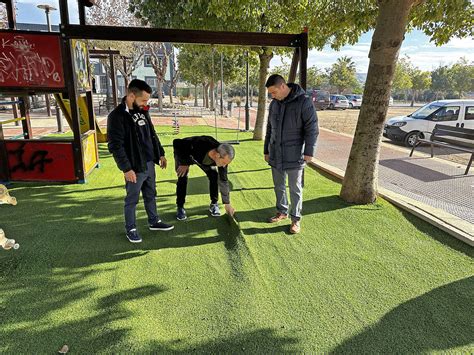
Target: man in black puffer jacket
<point>136,149</point>
<point>290,143</point>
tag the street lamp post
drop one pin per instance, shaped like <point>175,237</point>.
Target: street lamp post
<point>47,9</point>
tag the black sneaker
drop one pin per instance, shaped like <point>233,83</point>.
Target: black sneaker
<point>161,226</point>
<point>214,209</point>
<point>133,236</point>
<point>181,214</point>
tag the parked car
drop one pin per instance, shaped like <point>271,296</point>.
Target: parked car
<point>338,101</point>
<point>320,99</point>
<point>355,101</point>
<point>458,113</point>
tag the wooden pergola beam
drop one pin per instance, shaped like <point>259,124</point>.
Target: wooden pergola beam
<point>146,34</point>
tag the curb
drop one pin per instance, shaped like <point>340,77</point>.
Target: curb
<point>448,223</point>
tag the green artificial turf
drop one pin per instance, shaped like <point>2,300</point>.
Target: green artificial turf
<point>361,279</point>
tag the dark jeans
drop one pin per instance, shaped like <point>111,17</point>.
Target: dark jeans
<point>147,185</point>
<point>182,184</point>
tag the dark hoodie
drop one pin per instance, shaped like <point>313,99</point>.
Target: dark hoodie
<point>292,130</point>
<point>124,141</point>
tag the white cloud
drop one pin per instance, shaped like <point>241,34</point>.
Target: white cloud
<point>461,43</point>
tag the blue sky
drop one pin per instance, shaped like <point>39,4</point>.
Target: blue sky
<point>416,45</point>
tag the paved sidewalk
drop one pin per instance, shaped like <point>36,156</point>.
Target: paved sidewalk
<point>434,182</point>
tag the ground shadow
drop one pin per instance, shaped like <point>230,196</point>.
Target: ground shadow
<point>415,171</point>
<point>438,235</point>
<point>24,302</point>
<point>261,341</point>
<point>434,321</point>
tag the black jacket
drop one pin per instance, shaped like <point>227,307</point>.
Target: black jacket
<point>123,141</point>
<point>292,130</point>
<point>192,150</point>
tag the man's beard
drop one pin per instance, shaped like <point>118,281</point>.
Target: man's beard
<point>136,107</point>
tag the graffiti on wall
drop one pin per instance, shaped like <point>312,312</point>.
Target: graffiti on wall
<point>30,61</point>
<point>40,161</point>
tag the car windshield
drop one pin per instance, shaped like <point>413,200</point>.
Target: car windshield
<point>425,111</point>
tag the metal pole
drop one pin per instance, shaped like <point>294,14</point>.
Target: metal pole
<point>247,110</point>
<point>222,85</point>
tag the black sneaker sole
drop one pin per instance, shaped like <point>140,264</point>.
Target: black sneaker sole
<point>161,229</point>
<point>215,215</point>
<point>133,241</point>
<point>182,219</point>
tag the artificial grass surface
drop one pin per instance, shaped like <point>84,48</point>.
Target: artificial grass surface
<point>357,279</point>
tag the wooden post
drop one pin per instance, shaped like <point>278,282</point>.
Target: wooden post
<point>4,170</point>
<point>70,79</point>
<point>15,111</point>
<point>10,5</point>
<point>25,112</point>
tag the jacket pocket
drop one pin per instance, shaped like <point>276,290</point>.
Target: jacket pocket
<point>293,153</point>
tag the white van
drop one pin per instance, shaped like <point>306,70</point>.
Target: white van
<point>458,113</point>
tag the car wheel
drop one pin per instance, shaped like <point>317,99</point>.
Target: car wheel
<point>331,107</point>
<point>351,105</point>
<point>410,139</point>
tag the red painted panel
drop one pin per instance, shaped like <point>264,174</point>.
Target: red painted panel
<point>40,161</point>
<point>30,61</point>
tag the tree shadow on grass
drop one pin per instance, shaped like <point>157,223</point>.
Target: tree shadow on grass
<point>29,306</point>
<point>261,341</point>
<point>438,235</point>
<point>439,320</point>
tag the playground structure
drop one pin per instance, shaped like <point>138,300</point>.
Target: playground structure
<point>5,198</point>
<point>43,63</point>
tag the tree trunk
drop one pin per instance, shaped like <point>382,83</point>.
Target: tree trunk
<point>212,95</point>
<point>412,98</point>
<point>206,95</point>
<point>251,97</point>
<point>171,94</point>
<point>160,97</point>
<point>195,95</point>
<point>361,177</point>
<point>261,122</point>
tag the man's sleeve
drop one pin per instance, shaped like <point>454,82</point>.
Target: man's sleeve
<point>268,132</point>
<point>116,137</point>
<point>311,129</point>
<point>182,151</point>
<point>224,187</point>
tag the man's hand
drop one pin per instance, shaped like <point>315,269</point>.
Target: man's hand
<point>308,158</point>
<point>163,162</point>
<point>182,170</point>
<point>267,157</point>
<point>229,209</point>
<point>130,176</point>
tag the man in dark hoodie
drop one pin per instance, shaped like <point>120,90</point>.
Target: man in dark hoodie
<point>133,142</point>
<point>290,143</point>
<point>212,157</point>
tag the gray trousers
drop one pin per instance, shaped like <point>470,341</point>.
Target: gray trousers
<point>147,185</point>
<point>295,184</point>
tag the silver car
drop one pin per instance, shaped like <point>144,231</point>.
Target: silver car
<point>355,101</point>
<point>338,101</point>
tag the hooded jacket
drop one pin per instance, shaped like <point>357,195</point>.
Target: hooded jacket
<point>124,143</point>
<point>292,130</point>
